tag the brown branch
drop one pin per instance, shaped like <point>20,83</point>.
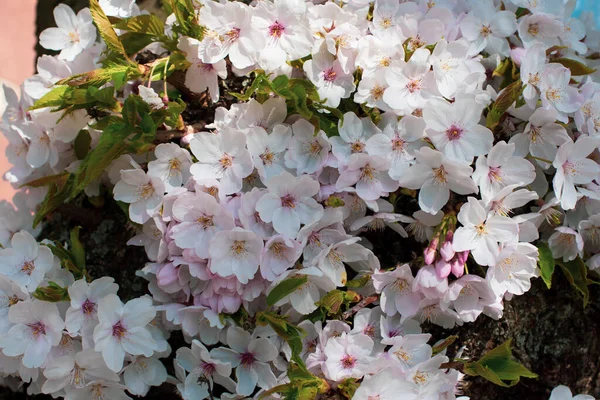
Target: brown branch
<point>362,304</point>
<point>84,216</point>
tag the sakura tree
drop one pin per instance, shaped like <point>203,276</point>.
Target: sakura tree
<point>268,157</point>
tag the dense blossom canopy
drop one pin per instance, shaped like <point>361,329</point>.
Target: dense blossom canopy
<point>468,130</point>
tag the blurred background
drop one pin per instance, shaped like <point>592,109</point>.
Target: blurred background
<point>20,24</point>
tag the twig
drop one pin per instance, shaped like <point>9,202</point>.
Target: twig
<point>362,304</point>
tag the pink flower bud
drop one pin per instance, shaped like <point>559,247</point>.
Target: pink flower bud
<point>517,55</point>
<point>446,251</point>
<point>458,269</point>
<point>463,256</point>
<point>442,269</point>
<point>429,254</point>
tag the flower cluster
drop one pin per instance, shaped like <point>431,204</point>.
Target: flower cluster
<point>464,131</point>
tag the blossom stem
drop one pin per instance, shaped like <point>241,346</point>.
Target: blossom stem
<point>540,159</point>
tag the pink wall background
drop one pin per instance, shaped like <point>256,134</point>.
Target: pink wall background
<point>17,58</point>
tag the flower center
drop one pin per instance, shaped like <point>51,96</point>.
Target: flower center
<point>534,29</point>
<point>267,157</point>
<point>226,161</point>
<point>247,359</point>
<point>402,355</point>
<point>276,29</point>
<point>288,201</point>
<point>12,300</point>
<point>454,132</point>
<point>88,307</point>
<point>315,148</point>
<point>569,168</point>
<point>28,267</point>
<point>277,248</point>
<point>174,166</point>
<point>357,147</point>
<point>494,174</point>
<point>118,330</point>
<point>206,221</point>
<point>481,229</point>
<point>208,369</point>
<point>377,92</point>
<point>145,191</point>
<point>238,247</point>
<point>486,31</point>
<point>414,85</point>
<point>385,62</point>
<point>37,329</point>
<point>233,34</point>
<point>74,37</point>
<point>440,175</point>
<point>368,173</point>
<point>369,331</point>
<point>386,23</point>
<point>553,94</point>
<point>348,361</point>
<point>534,79</point>
<point>535,134</point>
<point>329,75</point>
<point>398,144</point>
<point>77,376</point>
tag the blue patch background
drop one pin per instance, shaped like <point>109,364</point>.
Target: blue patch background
<point>589,5</point>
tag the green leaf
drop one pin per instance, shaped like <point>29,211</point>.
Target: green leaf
<point>47,180</point>
<point>546,263</point>
<point>508,96</point>
<point>119,79</point>
<point>58,192</point>
<point>105,95</point>
<point>112,144</point>
<point>147,125</point>
<point>285,288</point>
<point>359,281</point>
<point>498,367</point>
<point>53,98</point>
<point>187,22</point>
<point>576,273</point>
<point>135,42</point>
<point>51,293</point>
<point>290,333</point>
<point>100,76</point>
<point>106,30</point>
<point>348,387</point>
<point>577,68</point>
<point>147,24</point>
<point>332,302</point>
<point>77,248</point>
<point>82,142</point>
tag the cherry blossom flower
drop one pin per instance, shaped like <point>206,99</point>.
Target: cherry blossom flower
<point>172,165</point>
<point>223,156</point>
<point>539,28</point>
<point>235,252</point>
<point>573,168</point>
<point>436,175</point>
<point>267,150</point>
<point>37,327</point>
<point>76,371</point>
<point>500,169</point>
<point>74,33</point>
<point>396,292</point>
<point>118,8</point>
<point>565,243</point>
<point>532,68</point>
<point>278,255</point>
<point>201,217</point>
<point>201,76</point>
<point>384,386</point>
<point>397,143</point>
<point>347,356</point>
<point>284,27</point>
<point>541,137</point>
<point>122,329</point>
<point>25,262</point>
<point>488,28</point>
<point>411,85</point>
<point>515,266</point>
<point>354,133</point>
<point>83,312</point>
<point>307,153</point>
<point>454,129</point>
<point>480,234</point>
<point>99,390</point>
<point>557,93</point>
<point>289,203</point>
<point>327,74</point>
<point>143,192</point>
<point>468,296</point>
<point>142,373</point>
<point>370,176</point>
<point>331,259</point>
<point>249,357</point>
